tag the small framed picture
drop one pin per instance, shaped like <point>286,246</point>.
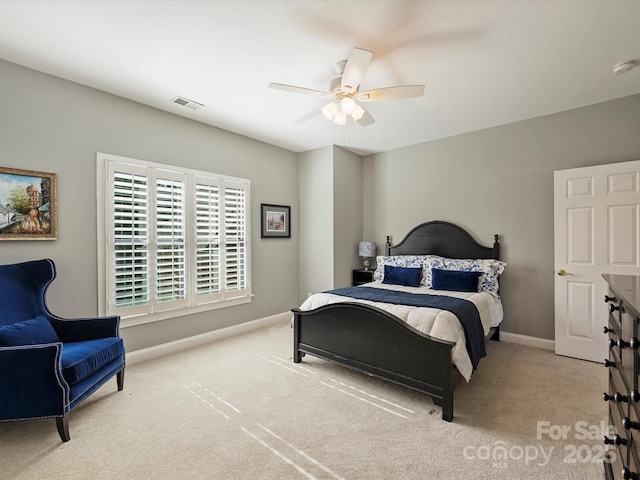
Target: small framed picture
<point>275,221</point>
<point>28,205</point>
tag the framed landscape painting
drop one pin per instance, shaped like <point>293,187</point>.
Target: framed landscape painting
<point>28,205</point>
<point>275,221</point>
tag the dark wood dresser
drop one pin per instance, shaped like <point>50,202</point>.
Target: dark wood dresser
<point>623,440</point>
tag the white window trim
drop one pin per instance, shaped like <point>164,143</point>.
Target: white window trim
<point>103,211</point>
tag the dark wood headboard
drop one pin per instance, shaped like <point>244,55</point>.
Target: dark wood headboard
<point>444,239</point>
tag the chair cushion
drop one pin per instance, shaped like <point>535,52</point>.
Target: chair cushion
<point>29,332</point>
<point>81,359</point>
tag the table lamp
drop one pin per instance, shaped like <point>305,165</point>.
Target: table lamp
<point>367,250</point>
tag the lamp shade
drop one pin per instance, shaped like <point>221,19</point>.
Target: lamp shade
<point>340,118</point>
<point>367,249</point>
<point>329,110</point>
<point>347,105</point>
<point>357,112</point>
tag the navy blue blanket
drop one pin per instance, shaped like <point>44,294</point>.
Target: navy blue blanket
<point>465,310</point>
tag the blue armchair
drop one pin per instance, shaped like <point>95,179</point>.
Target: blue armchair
<point>48,364</point>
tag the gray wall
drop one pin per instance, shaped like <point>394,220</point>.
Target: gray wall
<point>53,125</point>
<point>330,218</point>
<point>316,221</point>
<point>500,180</point>
<point>347,206</point>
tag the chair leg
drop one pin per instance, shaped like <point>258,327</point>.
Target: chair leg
<point>120,379</point>
<point>63,427</point>
<point>62,423</point>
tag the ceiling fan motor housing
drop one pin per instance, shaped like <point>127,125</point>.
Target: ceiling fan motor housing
<point>335,84</point>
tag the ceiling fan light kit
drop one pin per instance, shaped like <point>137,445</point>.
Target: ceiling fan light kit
<point>340,118</point>
<point>347,105</point>
<point>329,110</point>
<point>339,113</point>
<point>344,91</point>
<point>357,112</point>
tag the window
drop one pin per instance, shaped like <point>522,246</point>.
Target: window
<point>176,240</point>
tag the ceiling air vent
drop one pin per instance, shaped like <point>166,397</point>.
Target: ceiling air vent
<point>185,102</point>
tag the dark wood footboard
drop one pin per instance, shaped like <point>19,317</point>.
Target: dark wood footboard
<point>373,341</point>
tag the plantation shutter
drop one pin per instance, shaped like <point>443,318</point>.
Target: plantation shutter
<point>235,246</point>
<point>207,231</point>
<point>130,286</point>
<point>176,239</point>
<point>170,234</point>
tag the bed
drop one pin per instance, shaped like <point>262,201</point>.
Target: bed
<point>363,334</point>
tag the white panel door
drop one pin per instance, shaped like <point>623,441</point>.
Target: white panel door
<point>596,231</point>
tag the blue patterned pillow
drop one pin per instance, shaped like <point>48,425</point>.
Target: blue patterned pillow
<point>454,280</point>
<point>490,271</point>
<point>407,261</point>
<point>30,332</point>
<point>409,277</point>
<point>432,261</point>
<point>426,262</point>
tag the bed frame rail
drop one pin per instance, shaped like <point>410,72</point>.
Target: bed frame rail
<point>370,340</point>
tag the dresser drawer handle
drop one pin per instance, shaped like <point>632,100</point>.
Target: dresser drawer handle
<point>613,308</point>
<point>609,363</point>
<point>608,299</point>
<point>612,343</point>
<point>633,343</point>
<point>617,440</point>
<point>628,474</point>
<point>629,424</point>
<point>616,397</point>
<point>607,329</point>
<point>619,398</point>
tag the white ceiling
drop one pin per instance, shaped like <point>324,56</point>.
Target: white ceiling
<point>484,63</point>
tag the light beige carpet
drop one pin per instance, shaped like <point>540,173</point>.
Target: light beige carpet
<point>240,409</point>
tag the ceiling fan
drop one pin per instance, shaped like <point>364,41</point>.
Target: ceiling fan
<point>345,95</point>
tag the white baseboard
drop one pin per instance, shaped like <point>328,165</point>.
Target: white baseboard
<point>543,343</point>
<point>156,351</point>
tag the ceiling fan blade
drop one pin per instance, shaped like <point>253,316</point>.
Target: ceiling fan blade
<point>302,90</point>
<point>354,69</point>
<point>309,116</point>
<point>366,119</point>
<point>392,93</point>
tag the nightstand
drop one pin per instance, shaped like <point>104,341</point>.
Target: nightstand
<point>360,276</point>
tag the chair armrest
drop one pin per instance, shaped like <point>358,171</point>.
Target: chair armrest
<point>80,329</point>
<point>31,382</point>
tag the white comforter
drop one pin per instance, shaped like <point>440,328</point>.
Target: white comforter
<point>441,324</point>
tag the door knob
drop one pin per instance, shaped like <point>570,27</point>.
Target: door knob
<point>563,273</point>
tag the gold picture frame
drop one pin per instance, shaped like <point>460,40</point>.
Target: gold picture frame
<point>28,205</point>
